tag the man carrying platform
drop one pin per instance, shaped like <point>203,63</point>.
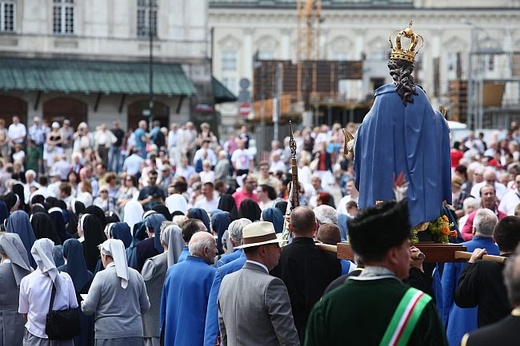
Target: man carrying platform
<point>376,308</point>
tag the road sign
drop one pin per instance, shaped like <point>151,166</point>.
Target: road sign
<point>244,109</point>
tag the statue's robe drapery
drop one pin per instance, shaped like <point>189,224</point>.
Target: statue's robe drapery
<point>413,140</point>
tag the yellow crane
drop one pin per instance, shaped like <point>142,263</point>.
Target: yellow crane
<point>309,21</point>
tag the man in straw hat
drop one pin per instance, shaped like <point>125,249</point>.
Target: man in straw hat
<point>254,307</point>
<point>377,299</point>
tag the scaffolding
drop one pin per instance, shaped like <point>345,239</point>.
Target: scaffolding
<point>309,22</point>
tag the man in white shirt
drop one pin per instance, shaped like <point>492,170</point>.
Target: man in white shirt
<point>62,166</point>
<point>44,189</point>
<point>16,132</point>
<point>104,139</point>
<point>30,184</point>
<point>200,154</point>
<point>208,201</point>
<point>241,159</point>
<point>133,163</point>
<point>174,151</point>
<point>352,195</point>
<point>490,178</point>
<point>511,199</point>
<point>184,170</point>
<point>37,133</point>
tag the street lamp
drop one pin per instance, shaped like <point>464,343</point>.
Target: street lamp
<point>150,63</point>
<point>471,112</point>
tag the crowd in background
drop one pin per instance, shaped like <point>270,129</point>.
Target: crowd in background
<point>155,188</point>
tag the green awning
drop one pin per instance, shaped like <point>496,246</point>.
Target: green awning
<point>107,77</point>
<point>221,93</point>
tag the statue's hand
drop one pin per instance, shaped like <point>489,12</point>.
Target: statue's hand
<point>400,187</point>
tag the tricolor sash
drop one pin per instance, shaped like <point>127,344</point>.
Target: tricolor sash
<point>405,318</point>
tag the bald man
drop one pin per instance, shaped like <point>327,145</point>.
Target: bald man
<point>186,291</point>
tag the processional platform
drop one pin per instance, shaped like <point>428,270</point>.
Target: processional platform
<point>434,252</point>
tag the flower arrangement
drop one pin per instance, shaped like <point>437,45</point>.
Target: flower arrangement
<point>439,229</point>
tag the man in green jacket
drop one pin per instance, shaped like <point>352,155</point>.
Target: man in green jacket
<point>376,308</point>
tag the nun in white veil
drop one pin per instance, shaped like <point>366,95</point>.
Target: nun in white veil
<point>13,267</point>
<point>35,295</point>
<point>118,298</point>
<point>133,213</point>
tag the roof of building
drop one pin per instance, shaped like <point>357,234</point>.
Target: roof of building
<point>80,76</point>
<point>221,93</point>
<point>324,3</point>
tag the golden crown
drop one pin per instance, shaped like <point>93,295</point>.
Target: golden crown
<point>398,53</point>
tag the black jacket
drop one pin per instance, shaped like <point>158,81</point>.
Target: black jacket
<point>482,284</point>
<point>306,270</point>
<point>503,333</point>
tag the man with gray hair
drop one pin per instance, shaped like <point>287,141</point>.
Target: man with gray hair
<point>504,332</point>
<point>326,214</point>
<point>235,237</point>
<point>457,320</point>
<point>226,267</point>
<point>30,185</point>
<point>184,296</point>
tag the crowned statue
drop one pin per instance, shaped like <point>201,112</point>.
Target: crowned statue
<point>403,136</point>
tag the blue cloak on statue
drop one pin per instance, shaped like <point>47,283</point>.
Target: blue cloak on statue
<point>413,140</point>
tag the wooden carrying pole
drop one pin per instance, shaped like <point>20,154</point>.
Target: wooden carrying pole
<point>464,255</point>
<point>434,252</point>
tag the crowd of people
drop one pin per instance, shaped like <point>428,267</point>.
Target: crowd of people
<point>171,236</point>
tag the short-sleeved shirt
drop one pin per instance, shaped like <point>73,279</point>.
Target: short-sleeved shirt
<point>35,296</point>
<point>138,134</point>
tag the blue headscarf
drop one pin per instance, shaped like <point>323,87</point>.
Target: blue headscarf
<point>275,216</point>
<point>76,266</point>
<point>18,222</point>
<point>57,254</point>
<point>200,214</point>
<point>154,222</point>
<point>121,230</point>
<point>220,221</point>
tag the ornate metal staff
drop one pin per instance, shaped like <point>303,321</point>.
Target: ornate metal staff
<point>295,188</point>
<point>294,197</point>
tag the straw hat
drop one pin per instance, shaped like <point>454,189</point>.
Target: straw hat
<point>258,233</point>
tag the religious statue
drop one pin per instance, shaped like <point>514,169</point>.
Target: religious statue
<point>403,134</point>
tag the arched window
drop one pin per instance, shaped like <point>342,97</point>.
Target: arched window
<point>161,112</point>
<point>61,108</point>
<point>11,106</point>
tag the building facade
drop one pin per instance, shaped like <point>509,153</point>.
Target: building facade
<point>89,60</point>
<point>466,43</point>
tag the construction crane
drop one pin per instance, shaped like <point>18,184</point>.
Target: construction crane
<point>309,21</point>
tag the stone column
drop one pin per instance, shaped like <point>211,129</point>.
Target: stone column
<point>247,55</point>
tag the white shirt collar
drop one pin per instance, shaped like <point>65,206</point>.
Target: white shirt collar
<point>259,264</point>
